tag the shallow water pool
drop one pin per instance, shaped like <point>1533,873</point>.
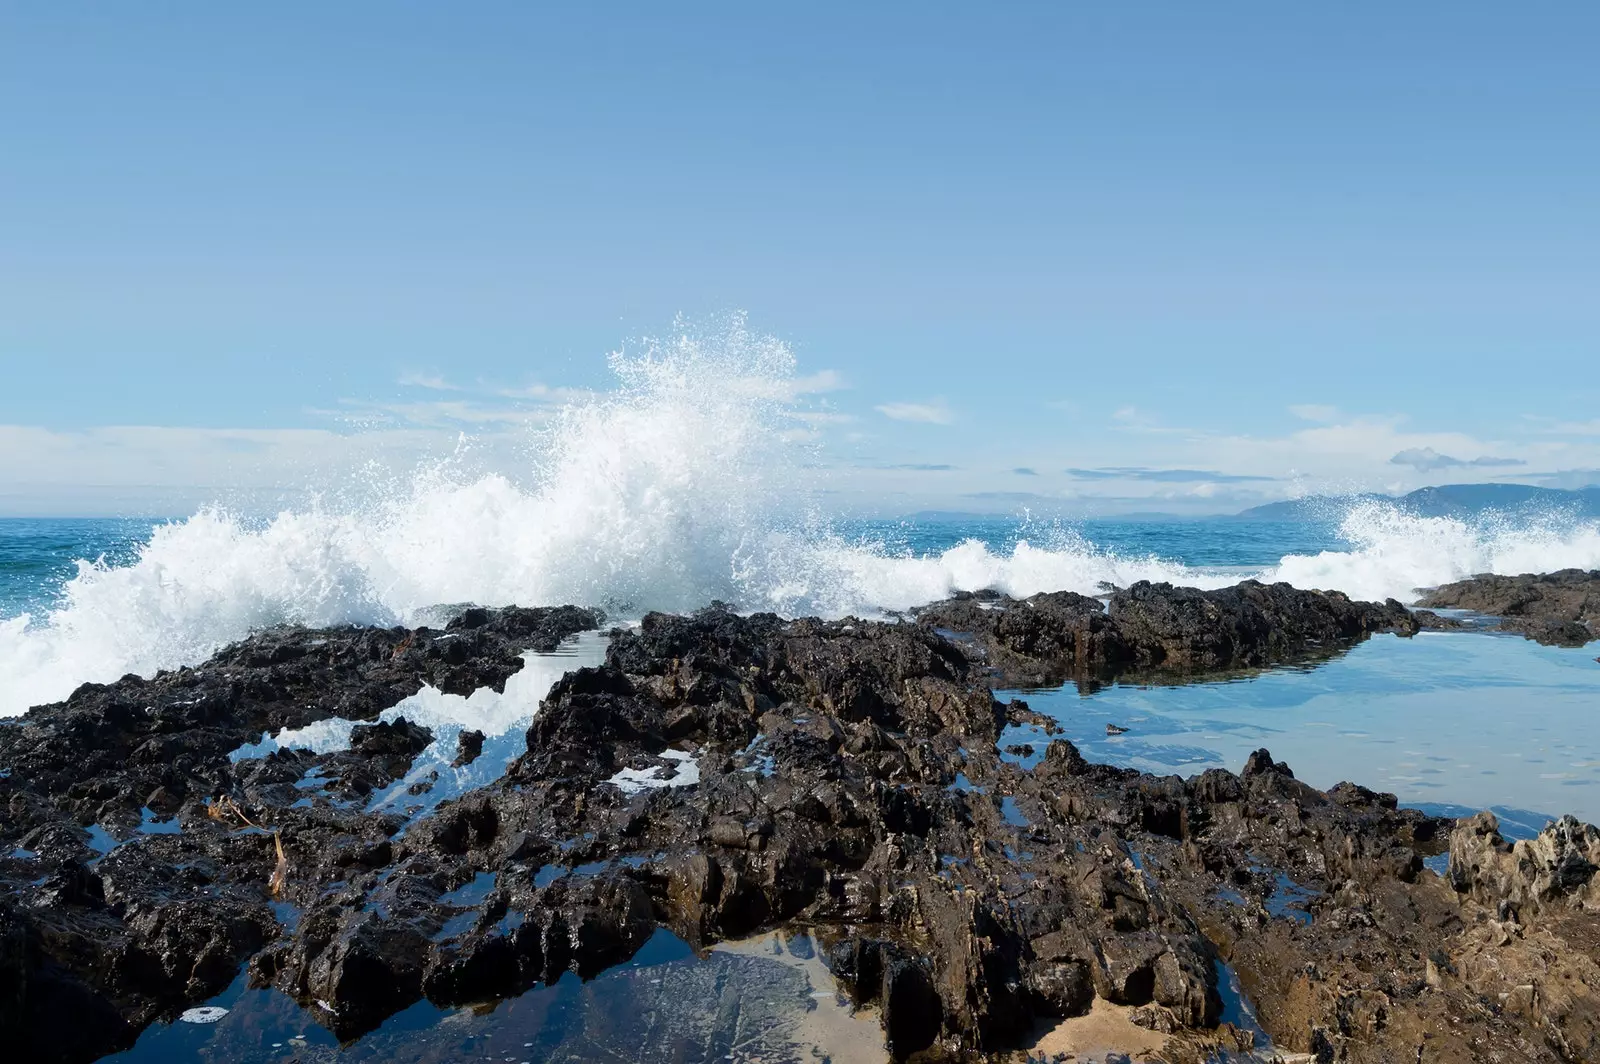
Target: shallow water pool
<point>767,999</point>
<point>1444,718</point>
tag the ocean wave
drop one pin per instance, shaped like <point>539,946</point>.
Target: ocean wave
<point>687,483</point>
<point>1395,553</point>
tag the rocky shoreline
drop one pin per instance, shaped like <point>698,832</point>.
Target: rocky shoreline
<point>1557,609</point>
<point>720,775</point>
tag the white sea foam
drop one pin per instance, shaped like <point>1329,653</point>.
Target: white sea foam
<point>689,482</point>
<point>502,717</point>
<point>1394,553</point>
<point>686,773</point>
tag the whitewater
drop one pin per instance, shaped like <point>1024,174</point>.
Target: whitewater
<point>694,479</point>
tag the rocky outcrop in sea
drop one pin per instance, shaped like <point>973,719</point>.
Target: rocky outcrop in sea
<point>719,775</point>
<point>1558,609</point>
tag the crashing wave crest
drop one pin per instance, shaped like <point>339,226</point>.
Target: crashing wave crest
<point>688,482</point>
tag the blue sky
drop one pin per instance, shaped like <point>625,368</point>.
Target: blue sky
<point>1203,256</point>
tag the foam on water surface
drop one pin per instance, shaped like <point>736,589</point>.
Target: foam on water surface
<point>685,773</point>
<point>1394,553</point>
<point>503,718</point>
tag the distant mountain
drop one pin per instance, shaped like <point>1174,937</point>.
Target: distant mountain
<point>1309,508</point>
<point>1449,500</point>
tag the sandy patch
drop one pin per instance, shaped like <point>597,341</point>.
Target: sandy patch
<point>1104,1030</point>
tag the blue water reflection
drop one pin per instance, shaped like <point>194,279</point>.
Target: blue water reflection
<point>1471,719</point>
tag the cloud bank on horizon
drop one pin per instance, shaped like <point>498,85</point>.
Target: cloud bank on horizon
<point>884,457</point>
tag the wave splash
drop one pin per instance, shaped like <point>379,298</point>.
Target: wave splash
<point>688,482</point>
<point>1395,553</point>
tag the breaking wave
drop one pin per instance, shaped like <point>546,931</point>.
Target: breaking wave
<point>690,481</point>
<point>1395,553</point>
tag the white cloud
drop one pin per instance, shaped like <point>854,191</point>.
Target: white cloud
<point>449,414</point>
<point>431,381</point>
<point>1351,453</point>
<point>147,469</point>
<point>1576,428</point>
<point>537,392</point>
<point>1315,412</point>
<point>932,413</point>
<point>542,393</point>
<point>1132,419</point>
<point>827,380</point>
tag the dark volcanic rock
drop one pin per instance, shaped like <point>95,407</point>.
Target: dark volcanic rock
<point>115,939</point>
<point>1252,624</point>
<point>1052,637</point>
<point>469,744</point>
<point>721,775</point>
<point>1549,632</point>
<point>1560,608</point>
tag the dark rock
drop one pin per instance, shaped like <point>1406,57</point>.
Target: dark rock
<point>1061,988</point>
<point>912,1011</point>
<point>1560,608</point>
<point>469,744</point>
<point>1251,624</point>
<point>1549,632</point>
<point>845,780</point>
<point>1164,628</point>
<point>1261,763</point>
<point>384,739</point>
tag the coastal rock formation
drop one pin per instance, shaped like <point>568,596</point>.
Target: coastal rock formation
<point>131,883</point>
<point>721,775</point>
<point>1157,627</point>
<point>1560,608</point>
<point>1555,868</point>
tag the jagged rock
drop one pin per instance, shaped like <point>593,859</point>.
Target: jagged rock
<point>1427,620</point>
<point>1261,763</point>
<point>1561,608</point>
<point>1557,867</point>
<point>1157,626</point>
<point>469,745</point>
<point>1549,632</point>
<point>720,775</point>
<point>1156,1018</point>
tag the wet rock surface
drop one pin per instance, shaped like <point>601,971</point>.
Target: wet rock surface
<point>720,775</point>
<point>1158,628</point>
<point>1559,609</point>
<point>126,889</point>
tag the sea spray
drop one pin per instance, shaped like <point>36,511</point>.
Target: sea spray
<point>646,497</point>
<point>1394,552</point>
<point>693,479</point>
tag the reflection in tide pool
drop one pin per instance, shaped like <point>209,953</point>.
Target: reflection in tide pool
<point>1465,719</point>
<point>764,999</point>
